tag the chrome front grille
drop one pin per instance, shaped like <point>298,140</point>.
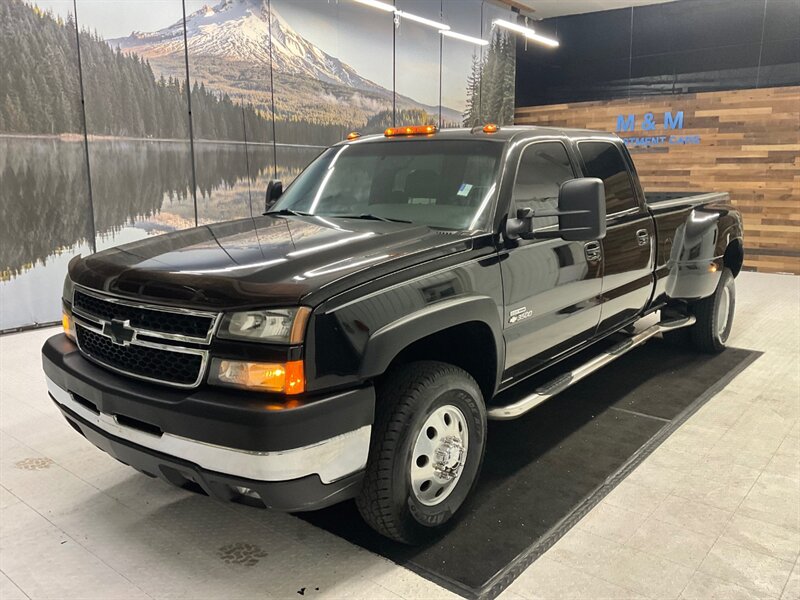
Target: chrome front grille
<point>168,323</point>
<point>154,343</point>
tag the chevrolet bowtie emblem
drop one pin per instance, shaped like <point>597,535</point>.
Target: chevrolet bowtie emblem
<point>120,332</point>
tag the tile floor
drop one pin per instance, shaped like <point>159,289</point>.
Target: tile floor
<point>714,513</point>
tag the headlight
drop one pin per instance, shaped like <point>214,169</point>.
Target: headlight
<point>69,288</point>
<point>277,325</point>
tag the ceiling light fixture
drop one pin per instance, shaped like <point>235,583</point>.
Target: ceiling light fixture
<point>423,20</point>
<point>376,4</point>
<point>404,15</point>
<point>527,32</point>
<point>466,38</point>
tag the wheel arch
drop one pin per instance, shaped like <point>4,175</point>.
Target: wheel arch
<point>465,332</point>
<point>733,258</point>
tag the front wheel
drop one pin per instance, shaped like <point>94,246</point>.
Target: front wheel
<point>426,451</point>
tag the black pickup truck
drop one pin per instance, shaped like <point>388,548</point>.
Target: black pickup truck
<point>353,341</point>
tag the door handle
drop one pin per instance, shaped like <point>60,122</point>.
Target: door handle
<point>593,251</point>
<point>642,237</point>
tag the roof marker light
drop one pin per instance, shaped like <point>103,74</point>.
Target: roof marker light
<point>410,130</point>
<point>466,38</point>
<point>353,135</point>
<point>490,128</point>
<point>527,32</point>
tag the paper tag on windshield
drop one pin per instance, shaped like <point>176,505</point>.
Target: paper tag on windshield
<point>464,189</point>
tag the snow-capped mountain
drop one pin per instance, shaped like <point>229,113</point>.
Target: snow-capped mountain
<point>238,30</point>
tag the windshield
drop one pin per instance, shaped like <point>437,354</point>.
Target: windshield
<point>447,184</point>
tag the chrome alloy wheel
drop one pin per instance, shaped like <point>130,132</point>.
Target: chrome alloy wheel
<point>723,312</point>
<point>439,455</point>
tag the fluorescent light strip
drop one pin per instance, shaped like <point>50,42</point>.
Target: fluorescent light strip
<point>404,15</point>
<point>466,38</point>
<point>423,20</point>
<point>527,32</point>
<point>376,4</point>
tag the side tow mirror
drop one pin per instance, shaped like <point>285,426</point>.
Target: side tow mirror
<point>521,226</point>
<point>274,191</point>
<point>581,214</point>
<point>582,210</point>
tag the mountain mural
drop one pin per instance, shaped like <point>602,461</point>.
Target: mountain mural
<point>229,51</point>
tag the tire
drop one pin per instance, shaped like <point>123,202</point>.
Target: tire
<point>714,316</point>
<point>420,409</point>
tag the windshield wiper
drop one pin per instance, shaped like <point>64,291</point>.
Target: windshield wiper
<point>286,211</point>
<point>371,217</point>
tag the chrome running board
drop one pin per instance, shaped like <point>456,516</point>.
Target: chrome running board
<point>562,382</point>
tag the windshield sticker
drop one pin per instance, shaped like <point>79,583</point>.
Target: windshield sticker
<point>464,189</point>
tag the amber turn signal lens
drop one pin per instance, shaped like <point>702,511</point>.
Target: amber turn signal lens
<point>490,128</point>
<point>68,325</point>
<point>353,135</point>
<point>411,130</point>
<point>295,381</point>
<point>298,330</point>
<point>283,378</point>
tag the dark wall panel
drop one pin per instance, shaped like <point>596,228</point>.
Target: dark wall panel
<point>671,48</point>
<point>780,63</point>
<point>782,20</point>
<point>695,24</point>
<point>599,36</point>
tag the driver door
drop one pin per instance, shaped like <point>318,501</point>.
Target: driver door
<point>551,287</point>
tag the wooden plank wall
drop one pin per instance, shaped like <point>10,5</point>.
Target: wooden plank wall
<point>749,146</point>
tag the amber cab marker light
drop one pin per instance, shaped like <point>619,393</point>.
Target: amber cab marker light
<point>353,135</point>
<point>490,128</point>
<point>411,130</point>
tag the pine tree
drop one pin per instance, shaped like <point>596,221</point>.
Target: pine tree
<point>507,82</point>
<point>472,111</point>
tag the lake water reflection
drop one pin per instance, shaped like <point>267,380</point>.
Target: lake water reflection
<point>140,188</point>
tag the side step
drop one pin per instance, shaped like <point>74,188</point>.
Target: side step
<point>562,382</point>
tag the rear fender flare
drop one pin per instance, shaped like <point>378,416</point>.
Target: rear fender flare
<point>695,264</point>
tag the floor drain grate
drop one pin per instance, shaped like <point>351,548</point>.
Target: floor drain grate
<point>240,554</point>
<point>34,464</point>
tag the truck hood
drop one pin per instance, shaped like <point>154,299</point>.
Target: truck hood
<point>262,261</point>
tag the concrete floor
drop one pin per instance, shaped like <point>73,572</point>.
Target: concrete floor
<point>713,513</point>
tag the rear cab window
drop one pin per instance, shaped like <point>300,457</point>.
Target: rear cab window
<point>604,161</point>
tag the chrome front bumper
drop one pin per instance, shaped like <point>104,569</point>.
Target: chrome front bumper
<point>331,459</point>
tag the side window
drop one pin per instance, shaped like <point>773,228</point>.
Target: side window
<point>604,161</point>
<point>543,167</point>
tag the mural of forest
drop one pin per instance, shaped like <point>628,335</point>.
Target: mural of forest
<point>98,145</point>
